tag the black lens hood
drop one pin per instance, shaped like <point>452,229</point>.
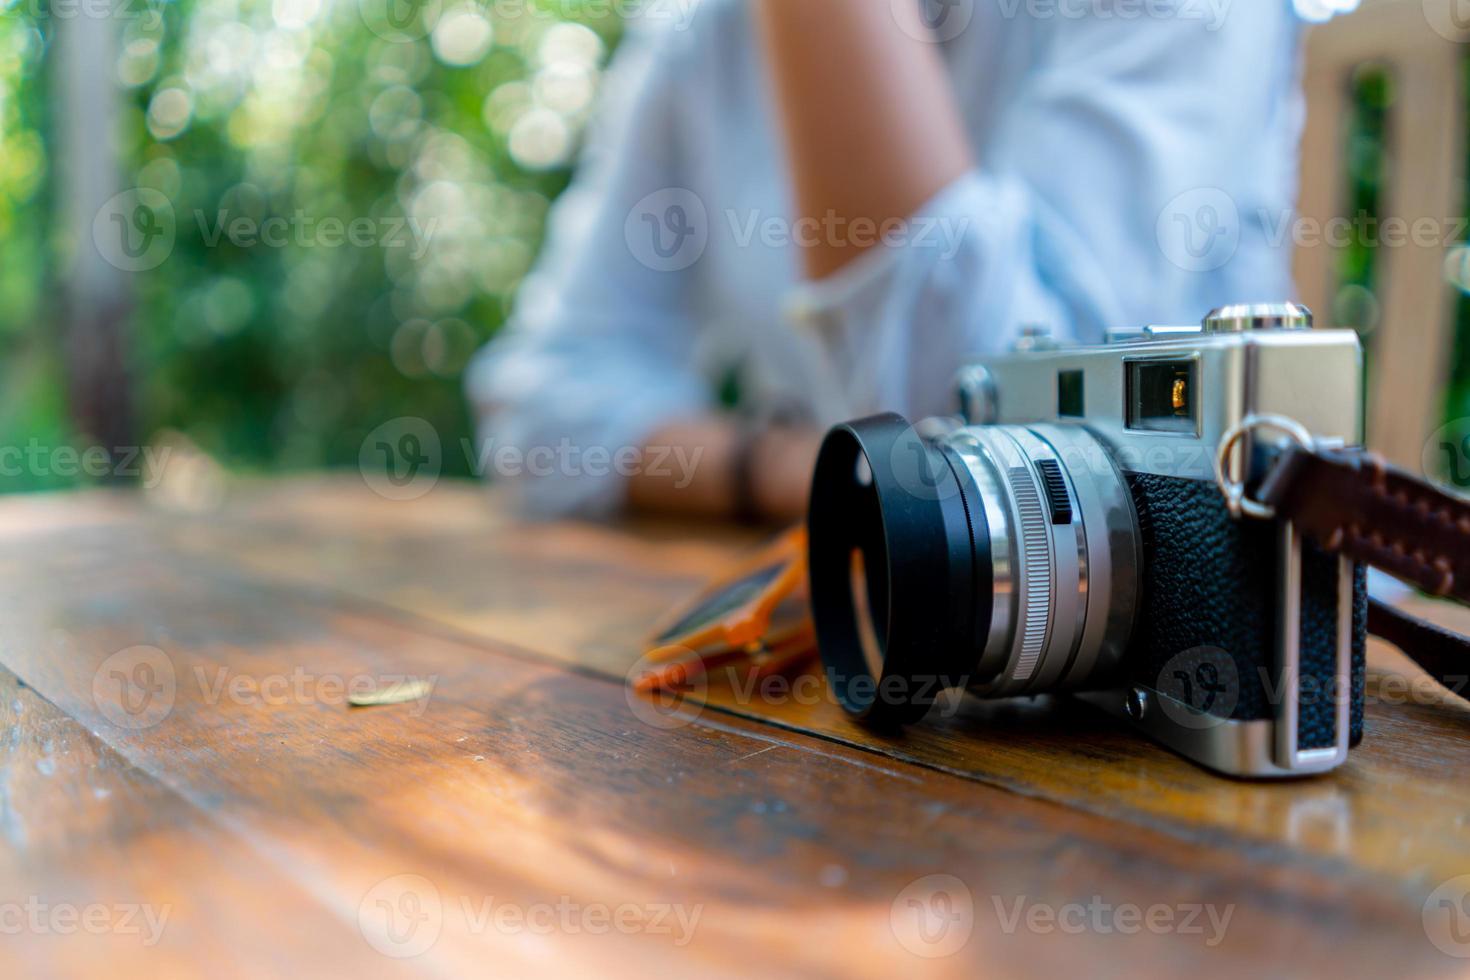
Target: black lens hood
<point>925,544</point>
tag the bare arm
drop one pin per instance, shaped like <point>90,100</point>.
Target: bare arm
<point>872,129</point>
<point>872,132</point>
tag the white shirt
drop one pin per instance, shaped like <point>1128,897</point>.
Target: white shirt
<point>1130,170</point>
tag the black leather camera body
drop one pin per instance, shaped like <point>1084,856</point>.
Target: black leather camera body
<point>1218,594</point>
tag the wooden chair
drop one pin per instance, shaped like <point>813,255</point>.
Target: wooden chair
<point>1421,43</point>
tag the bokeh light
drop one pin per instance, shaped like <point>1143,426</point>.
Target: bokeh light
<point>1321,11</point>
<point>461,36</point>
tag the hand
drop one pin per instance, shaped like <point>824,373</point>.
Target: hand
<point>780,471</point>
<point>782,463</point>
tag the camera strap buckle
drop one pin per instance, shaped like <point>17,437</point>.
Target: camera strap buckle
<point>1236,496</point>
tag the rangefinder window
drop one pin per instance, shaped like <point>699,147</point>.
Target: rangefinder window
<point>1070,395</point>
<point>1163,396</point>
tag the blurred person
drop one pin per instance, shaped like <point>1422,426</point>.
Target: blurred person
<point>848,207</point>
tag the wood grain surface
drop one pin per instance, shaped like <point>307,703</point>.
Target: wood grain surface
<point>179,745</point>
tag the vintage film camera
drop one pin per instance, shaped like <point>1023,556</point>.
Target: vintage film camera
<point>1072,535</point>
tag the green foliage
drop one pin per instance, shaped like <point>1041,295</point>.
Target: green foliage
<point>354,206</point>
<point>1366,150</point>
<point>1459,393</point>
<point>287,356</point>
<point>32,405</point>
<point>1370,156</point>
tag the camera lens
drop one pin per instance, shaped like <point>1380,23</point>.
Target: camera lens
<point>1004,559</point>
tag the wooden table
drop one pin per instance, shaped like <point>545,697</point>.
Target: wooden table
<point>183,786</point>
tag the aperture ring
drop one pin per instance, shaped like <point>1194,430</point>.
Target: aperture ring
<point>1036,558</point>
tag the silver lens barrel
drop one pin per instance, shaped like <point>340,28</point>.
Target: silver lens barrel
<point>1064,552</point>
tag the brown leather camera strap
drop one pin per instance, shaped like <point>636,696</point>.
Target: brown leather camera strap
<point>1441,652</point>
<point>1352,501</point>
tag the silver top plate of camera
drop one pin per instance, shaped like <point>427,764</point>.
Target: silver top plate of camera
<point>1241,361</point>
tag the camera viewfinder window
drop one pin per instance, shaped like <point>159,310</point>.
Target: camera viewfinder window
<point>1163,396</point>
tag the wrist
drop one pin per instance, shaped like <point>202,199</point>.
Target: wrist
<point>781,461</point>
